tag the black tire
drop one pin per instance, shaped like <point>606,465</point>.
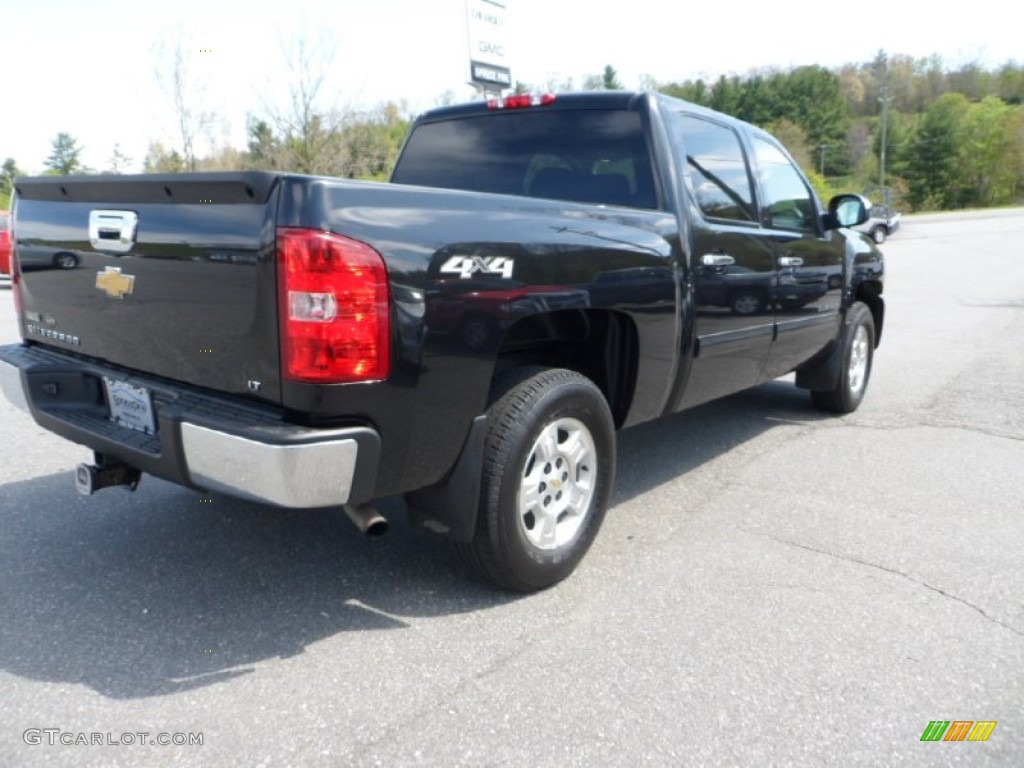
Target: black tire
<point>65,260</point>
<point>857,348</point>
<point>507,549</point>
<point>878,234</point>
<point>746,304</point>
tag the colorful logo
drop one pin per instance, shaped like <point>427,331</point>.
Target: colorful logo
<point>958,730</point>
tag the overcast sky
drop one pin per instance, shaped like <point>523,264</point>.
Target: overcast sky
<point>87,66</point>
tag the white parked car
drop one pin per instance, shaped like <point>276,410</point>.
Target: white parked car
<point>883,222</point>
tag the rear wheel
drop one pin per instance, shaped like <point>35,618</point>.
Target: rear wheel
<point>878,234</point>
<point>549,467</point>
<point>65,260</point>
<point>857,349</point>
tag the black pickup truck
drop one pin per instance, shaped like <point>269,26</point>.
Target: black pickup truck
<point>540,272</point>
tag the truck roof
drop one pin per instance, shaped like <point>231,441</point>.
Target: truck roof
<point>589,100</point>
<point>586,100</point>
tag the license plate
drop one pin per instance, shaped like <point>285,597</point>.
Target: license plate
<point>130,406</point>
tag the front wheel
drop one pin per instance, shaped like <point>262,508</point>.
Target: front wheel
<point>878,234</point>
<point>857,348</point>
<point>549,468</point>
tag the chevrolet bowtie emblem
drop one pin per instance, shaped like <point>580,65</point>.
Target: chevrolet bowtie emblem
<point>113,283</point>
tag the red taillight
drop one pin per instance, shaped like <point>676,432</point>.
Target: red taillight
<point>333,300</point>
<point>521,102</point>
<point>12,258</point>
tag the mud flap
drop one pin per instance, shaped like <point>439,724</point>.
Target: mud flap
<point>451,506</point>
<point>824,376</point>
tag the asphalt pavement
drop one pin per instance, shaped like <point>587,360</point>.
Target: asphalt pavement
<point>771,587</point>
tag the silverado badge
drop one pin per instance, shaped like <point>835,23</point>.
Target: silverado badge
<point>113,283</point>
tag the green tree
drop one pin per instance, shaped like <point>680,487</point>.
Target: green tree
<point>858,142</point>
<point>372,142</point>
<point>610,79</point>
<point>1011,83</point>
<point>8,172</point>
<point>309,128</point>
<point>813,97</point>
<point>758,100</point>
<point>725,95</point>
<point>899,134</point>
<point>161,160</point>
<point>854,90</point>
<point>972,80</point>
<point>933,166</point>
<point>794,138</point>
<point>264,147</point>
<point>64,157</point>
<point>930,83</point>
<point>940,151</point>
<point>695,91</point>
<point>224,159</point>
<point>118,160</point>
<point>987,168</point>
<point>825,190</point>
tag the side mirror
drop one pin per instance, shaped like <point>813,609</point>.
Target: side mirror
<point>847,211</point>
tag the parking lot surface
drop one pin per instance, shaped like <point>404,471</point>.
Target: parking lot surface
<point>771,587</point>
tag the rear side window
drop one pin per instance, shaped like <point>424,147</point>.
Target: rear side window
<point>585,156</point>
<point>717,169</point>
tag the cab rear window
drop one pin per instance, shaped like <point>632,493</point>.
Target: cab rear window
<point>585,156</point>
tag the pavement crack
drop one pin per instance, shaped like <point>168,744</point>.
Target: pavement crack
<point>895,572</point>
<point>929,424</point>
<point>504,660</point>
<point>447,702</point>
<point>976,429</point>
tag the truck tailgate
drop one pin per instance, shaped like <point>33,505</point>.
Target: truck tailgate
<point>174,276</point>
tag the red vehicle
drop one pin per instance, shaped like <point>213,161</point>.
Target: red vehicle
<point>5,247</point>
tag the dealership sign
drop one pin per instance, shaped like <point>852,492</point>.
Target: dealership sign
<point>488,44</point>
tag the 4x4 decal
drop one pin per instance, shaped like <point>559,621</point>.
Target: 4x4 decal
<point>467,266</point>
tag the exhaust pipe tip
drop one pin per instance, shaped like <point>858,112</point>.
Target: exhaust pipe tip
<point>367,519</point>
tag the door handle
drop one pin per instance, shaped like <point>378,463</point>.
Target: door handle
<point>790,261</point>
<point>717,260</point>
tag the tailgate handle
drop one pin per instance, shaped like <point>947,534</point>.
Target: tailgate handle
<point>113,231</point>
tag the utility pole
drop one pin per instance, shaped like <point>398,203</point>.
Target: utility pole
<point>885,98</point>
